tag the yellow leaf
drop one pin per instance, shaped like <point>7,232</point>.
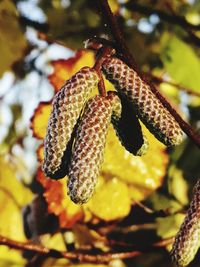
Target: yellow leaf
<point>114,5</point>
<point>13,196</point>
<point>15,191</point>
<point>11,257</point>
<point>111,200</point>
<point>143,174</point>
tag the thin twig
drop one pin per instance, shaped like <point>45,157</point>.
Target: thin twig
<point>117,34</point>
<point>77,255</point>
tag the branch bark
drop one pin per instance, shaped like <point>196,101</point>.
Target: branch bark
<point>119,39</point>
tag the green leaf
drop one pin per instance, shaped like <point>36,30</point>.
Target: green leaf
<point>181,62</point>
<point>169,226</point>
<point>177,185</point>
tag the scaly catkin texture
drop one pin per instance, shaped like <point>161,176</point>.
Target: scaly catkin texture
<point>127,126</point>
<point>187,240</point>
<point>87,154</point>
<point>67,106</point>
<point>148,108</point>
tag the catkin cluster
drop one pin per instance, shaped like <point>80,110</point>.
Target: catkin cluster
<point>187,240</point>
<point>77,128</point>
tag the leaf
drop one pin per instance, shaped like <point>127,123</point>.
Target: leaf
<point>55,241</point>
<point>64,69</point>
<point>39,120</point>
<point>114,5</point>
<point>12,40</point>
<point>8,176</point>
<point>169,226</point>
<point>85,236</point>
<point>10,257</point>
<point>111,200</point>
<point>181,62</point>
<point>161,202</point>
<point>142,174</point>
<point>40,153</point>
<point>13,195</point>
<point>177,185</point>
<point>59,203</point>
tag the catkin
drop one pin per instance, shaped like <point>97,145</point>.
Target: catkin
<point>87,154</point>
<point>187,240</point>
<point>67,106</point>
<point>147,106</point>
<point>127,126</point>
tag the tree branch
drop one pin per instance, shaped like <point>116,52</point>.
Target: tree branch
<point>118,36</point>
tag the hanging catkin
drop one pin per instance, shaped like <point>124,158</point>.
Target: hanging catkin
<point>67,106</point>
<point>127,126</point>
<point>147,106</point>
<point>88,151</point>
<point>187,240</point>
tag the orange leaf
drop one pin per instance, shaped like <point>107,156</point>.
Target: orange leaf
<point>64,69</point>
<point>58,201</point>
<point>40,153</point>
<point>40,119</point>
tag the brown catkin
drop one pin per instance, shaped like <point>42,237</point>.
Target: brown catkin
<point>187,240</point>
<point>147,106</point>
<point>87,154</point>
<point>67,106</point>
<point>127,126</point>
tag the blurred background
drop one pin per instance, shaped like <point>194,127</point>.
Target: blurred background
<point>139,202</point>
